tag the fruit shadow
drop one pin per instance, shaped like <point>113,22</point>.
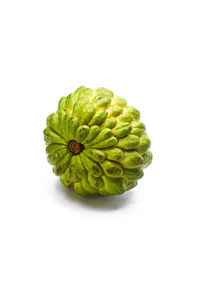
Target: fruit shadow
<point>98,202</point>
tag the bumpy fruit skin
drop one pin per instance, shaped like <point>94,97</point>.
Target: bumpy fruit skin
<point>96,143</point>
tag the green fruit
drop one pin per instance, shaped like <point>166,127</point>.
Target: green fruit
<point>96,143</point>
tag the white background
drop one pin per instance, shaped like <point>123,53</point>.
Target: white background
<point>139,248</point>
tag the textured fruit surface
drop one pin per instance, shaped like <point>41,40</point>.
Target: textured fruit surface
<point>96,142</point>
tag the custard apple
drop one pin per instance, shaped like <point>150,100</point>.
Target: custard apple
<point>96,143</point>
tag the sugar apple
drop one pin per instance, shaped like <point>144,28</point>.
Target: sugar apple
<point>96,143</point>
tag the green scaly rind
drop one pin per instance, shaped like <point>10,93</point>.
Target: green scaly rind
<point>116,146</point>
